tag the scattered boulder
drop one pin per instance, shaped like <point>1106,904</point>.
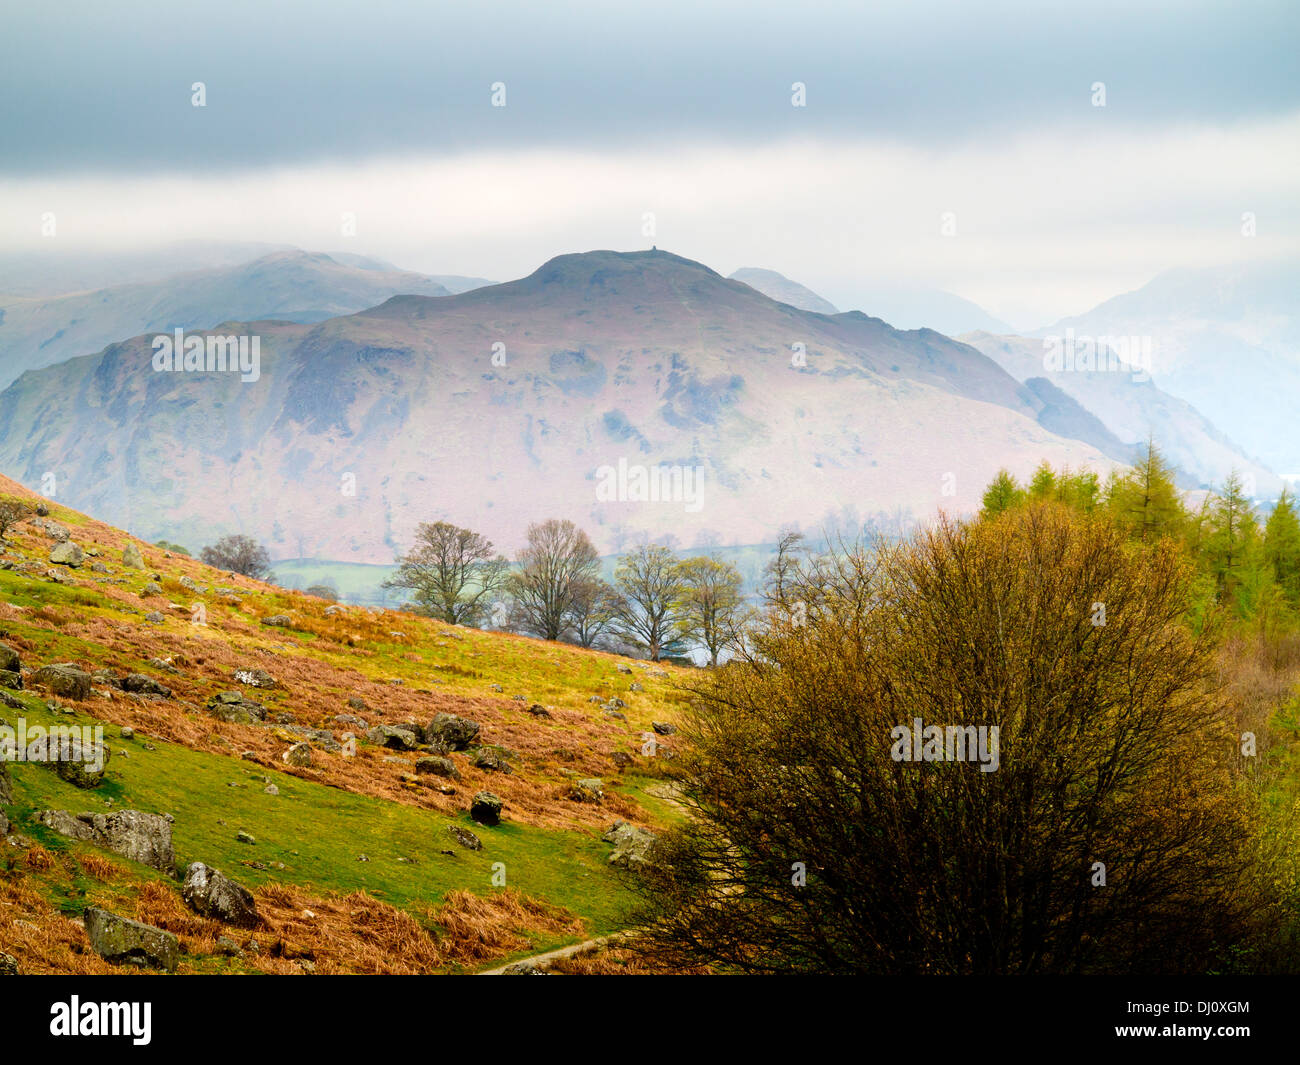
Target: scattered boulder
<point>357,703</point>
<point>621,759</point>
<point>10,660</point>
<point>524,968</point>
<point>151,588</point>
<point>141,837</point>
<point>631,844</point>
<point>299,755</point>
<point>486,808</point>
<point>438,766</point>
<point>131,557</point>
<point>393,736</point>
<point>451,732</point>
<point>99,567</point>
<point>592,789</point>
<point>210,893</point>
<point>255,678</point>
<point>465,838</point>
<point>65,679</point>
<point>51,528</point>
<point>125,942</point>
<point>67,553</point>
<point>623,669</point>
<point>491,759</point>
<point>538,710</point>
<point>235,708</point>
<point>154,616</point>
<point>635,686</point>
<point>278,621</point>
<point>139,682</point>
<point>245,837</point>
<point>615,704</point>
<point>8,965</point>
<point>6,785</point>
<point>42,509</point>
<point>664,728</point>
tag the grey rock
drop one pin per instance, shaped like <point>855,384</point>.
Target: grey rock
<point>438,766</point>
<point>299,755</point>
<point>211,893</point>
<point>486,808</point>
<point>451,732</point>
<point>465,837</point>
<point>65,679</point>
<point>255,678</point>
<point>140,837</point>
<point>490,759</point>
<point>67,554</point>
<point>139,682</point>
<point>131,557</point>
<point>664,728</point>
<point>278,621</point>
<point>632,845</point>
<point>235,708</point>
<point>394,737</point>
<point>592,789</point>
<point>9,658</point>
<point>125,942</point>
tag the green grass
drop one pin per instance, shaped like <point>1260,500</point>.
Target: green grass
<point>318,832</point>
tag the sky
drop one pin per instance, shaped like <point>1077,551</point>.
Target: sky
<point>957,145</point>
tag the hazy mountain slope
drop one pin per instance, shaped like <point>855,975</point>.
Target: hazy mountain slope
<point>783,290</point>
<point>290,285</point>
<point>646,358</point>
<point>1135,410</point>
<point>1225,339</point>
<point>909,306</point>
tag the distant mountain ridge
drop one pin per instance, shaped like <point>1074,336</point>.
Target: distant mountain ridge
<point>498,407</point>
<point>289,285</point>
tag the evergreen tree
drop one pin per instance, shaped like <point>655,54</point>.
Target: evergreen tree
<point>1146,501</point>
<point>1282,545</point>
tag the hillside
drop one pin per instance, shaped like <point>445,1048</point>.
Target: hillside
<point>351,861</point>
<point>498,407</point>
<point>291,285</point>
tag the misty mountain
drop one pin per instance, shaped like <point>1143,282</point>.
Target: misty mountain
<point>294,286</point>
<point>1226,340</point>
<point>556,395</point>
<point>1135,409</point>
<point>783,290</point>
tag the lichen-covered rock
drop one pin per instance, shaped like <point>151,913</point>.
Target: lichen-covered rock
<point>255,678</point>
<point>486,808</point>
<point>451,732</point>
<point>299,755</point>
<point>125,942</point>
<point>67,553</point>
<point>140,837</point>
<point>632,844</point>
<point>393,736</point>
<point>491,759</point>
<point>10,659</point>
<point>465,838</point>
<point>140,682</point>
<point>211,893</point>
<point>131,557</point>
<point>236,709</point>
<point>437,766</point>
<point>65,679</point>
<point>592,789</point>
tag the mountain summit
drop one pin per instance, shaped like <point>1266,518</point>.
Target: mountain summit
<point>511,403</point>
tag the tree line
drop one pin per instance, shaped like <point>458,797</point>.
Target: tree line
<point>657,604</point>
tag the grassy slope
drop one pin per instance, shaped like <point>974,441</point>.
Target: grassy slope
<point>325,817</point>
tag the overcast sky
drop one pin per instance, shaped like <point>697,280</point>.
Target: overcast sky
<point>679,110</point>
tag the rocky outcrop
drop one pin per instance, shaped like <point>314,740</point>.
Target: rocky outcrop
<point>632,844</point>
